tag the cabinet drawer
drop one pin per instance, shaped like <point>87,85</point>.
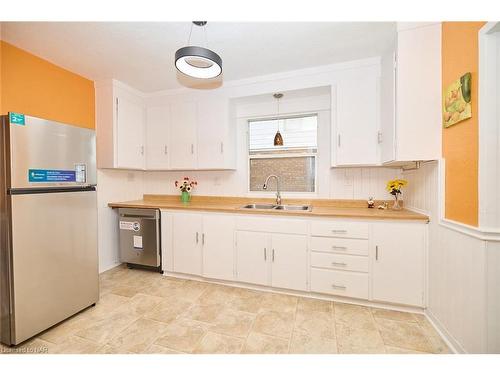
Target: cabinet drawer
<point>342,283</point>
<point>340,245</point>
<point>342,229</point>
<point>339,262</point>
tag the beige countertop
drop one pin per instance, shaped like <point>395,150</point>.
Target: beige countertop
<point>355,209</point>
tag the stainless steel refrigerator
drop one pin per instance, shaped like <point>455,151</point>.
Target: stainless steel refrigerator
<point>48,256</point>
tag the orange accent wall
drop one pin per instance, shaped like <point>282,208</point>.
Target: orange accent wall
<point>460,141</point>
<point>36,87</point>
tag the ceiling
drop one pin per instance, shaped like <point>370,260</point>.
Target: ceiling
<point>142,54</point>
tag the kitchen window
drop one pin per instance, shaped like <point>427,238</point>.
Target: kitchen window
<point>294,162</point>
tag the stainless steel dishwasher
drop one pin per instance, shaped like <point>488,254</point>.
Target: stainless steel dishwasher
<point>140,237</point>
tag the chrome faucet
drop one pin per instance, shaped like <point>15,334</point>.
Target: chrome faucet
<point>278,194</point>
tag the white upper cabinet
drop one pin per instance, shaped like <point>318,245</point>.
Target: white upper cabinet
<point>162,134</point>
<point>355,117</point>
<point>415,131</point>
<point>216,135</point>
<point>183,135</point>
<point>120,126</point>
<point>158,122</point>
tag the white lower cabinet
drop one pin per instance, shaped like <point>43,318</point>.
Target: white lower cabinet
<point>398,263</point>
<point>252,252</point>
<point>186,243</point>
<point>217,241</point>
<point>289,261</point>
<point>379,261</point>
<point>278,260</point>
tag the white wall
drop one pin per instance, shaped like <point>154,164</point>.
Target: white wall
<point>463,271</point>
<point>334,183</point>
<point>113,186</point>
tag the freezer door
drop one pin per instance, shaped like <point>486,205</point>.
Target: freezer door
<point>54,259</point>
<point>45,145</point>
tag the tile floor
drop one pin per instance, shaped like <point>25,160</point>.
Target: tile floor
<point>144,312</point>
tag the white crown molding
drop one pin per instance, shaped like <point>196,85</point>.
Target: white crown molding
<point>372,61</point>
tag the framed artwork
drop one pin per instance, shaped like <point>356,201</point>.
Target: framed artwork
<point>457,101</point>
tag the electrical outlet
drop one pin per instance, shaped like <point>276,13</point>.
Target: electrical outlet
<point>347,178</point>
<point>130,176</point>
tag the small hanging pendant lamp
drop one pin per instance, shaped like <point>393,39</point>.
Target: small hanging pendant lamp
<point>278,139</point>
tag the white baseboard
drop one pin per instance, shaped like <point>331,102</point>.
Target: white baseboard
<point>453,344</point>
<point>106,267</point>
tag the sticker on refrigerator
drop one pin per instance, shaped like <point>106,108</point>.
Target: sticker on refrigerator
<point>130,225</point>
<point>80,173</point>
<point>51,175</point>
<point>138,242</point>
<point>17,118</point>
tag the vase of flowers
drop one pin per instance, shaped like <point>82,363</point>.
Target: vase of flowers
<point>185,186</point>
<point>394,188</point>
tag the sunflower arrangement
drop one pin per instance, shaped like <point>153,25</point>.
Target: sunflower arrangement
<point>394,188</point>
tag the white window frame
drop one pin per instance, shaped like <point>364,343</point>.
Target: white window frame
<point>299,194</point>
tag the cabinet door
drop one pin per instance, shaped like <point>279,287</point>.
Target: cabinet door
<point>355,141</point>
<point>157,136</point>
<point>213,121</point>
<point>129,133</point>
<point>289,261</point>
<point>398,263</point>
<point>183,135</point>
<point>418,93</point>
<point>186,243</point>
<point>252,252</point>
<point>218,246</point>
<point>387,107</point>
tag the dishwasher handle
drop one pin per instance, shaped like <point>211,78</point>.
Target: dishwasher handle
<point>139,217</point>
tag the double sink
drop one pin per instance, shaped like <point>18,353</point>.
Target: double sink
<point>283,207</point>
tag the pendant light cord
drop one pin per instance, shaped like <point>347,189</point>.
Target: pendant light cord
<point>278,114</point>
<point>204,31</point>
<point>190,32</point>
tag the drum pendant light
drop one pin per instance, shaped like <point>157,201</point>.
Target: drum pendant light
<point>278,139</point>
<point>198,62</point>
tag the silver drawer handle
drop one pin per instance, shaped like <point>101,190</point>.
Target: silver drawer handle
<point>197,237</point>
<point>338,264</point>
<point>334,286</point>
<point>339,231</point>
<point>339,247</point>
